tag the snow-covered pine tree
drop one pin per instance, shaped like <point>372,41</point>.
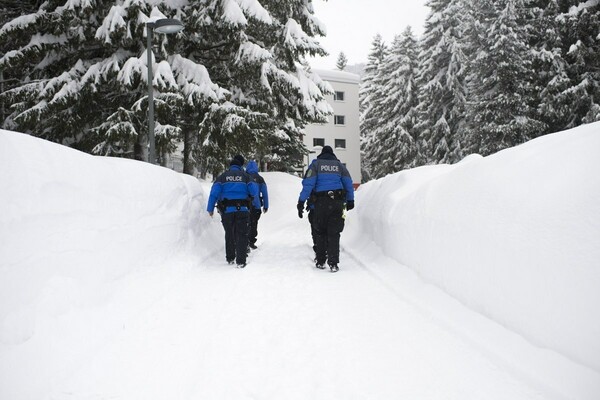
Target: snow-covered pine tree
<point>393,147</point>
<point>176,80</point>
<point>256,51</point>
<point>35,50</point>
<point>580,26</point>
<point>369,100</point>
<point>442,83</point>
<point>551,78</point>
<point>501,107</point>
<point>10,9</point>
<point>342,61</point>
<point>213,131</point>
<point>82,70</point>
<point>299,97</point>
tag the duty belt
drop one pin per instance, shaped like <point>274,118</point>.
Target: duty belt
<point>237,203</point>
<point>337,194</point>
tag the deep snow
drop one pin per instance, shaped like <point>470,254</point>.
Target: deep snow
<point>113,283</point>
<point>515,235</point>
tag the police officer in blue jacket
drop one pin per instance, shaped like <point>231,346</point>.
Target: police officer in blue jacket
<point>330,182</point>
<point>236,193</point>
<point>252,170</point>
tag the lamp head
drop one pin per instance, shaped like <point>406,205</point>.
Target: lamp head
<point>166,25</point>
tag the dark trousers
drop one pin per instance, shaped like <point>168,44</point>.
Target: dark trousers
<point>254,217</point>
<point>311,220</point>
<point>236,235</point>
<point>328,223</point>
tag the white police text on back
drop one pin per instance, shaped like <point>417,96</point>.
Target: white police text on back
<point>330,168</point>
<point>233,178</point>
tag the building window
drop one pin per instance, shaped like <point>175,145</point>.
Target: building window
<point>318,142</point>
<point>340,143</point>
<point>338,96</point>
<point>339,119</point>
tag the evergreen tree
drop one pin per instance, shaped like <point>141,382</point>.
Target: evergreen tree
<point>82,69</point>
<point>11,9</point>
<point>580,26</point>
<point>501,107</point>
<point>551,77</point>
<point>262,64</point>
<point>369,99</point>
<point>442,83</point>
<point>393,147</point>
<point>342,61</point>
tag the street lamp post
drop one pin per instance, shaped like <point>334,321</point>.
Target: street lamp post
<point>166,26</point>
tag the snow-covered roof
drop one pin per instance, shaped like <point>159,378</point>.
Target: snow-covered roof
<point>337,76</point>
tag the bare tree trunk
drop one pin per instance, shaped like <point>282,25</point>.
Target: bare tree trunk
<point>163,158</point>
<point>140,149</point>
<point>188,165</point>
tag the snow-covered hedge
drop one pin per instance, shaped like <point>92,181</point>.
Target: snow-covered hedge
<point>514,236</point>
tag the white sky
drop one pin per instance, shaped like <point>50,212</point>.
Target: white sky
<point>352,24</point>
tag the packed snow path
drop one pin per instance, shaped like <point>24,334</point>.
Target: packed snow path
<point>281,329</point>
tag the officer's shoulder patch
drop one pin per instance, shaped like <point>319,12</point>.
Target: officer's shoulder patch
<point>309,173</point>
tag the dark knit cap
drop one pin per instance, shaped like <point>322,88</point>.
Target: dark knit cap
<point>327,149</point>
<point>237,160</point>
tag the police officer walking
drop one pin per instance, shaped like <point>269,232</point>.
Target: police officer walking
<point>331,183</point>
<point>252,170</point>
<point>236,193</point>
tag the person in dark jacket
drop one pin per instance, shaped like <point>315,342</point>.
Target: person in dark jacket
<point>236,193</point>
<point>252,170</point>
<point>310,209</point>
<point>331,183</point>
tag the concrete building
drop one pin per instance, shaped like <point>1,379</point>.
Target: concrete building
<point>341,132</point>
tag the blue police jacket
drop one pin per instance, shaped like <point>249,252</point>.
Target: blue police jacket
<point>326,173</point>
<point>252,169</point>
<point>234,184</point>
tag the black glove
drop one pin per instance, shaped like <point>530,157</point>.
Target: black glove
<point>349,205</point>
<point>300,208</point>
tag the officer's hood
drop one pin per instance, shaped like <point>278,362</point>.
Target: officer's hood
<point>234,167</point>
<point>327,156</point>
<point>252,167</point>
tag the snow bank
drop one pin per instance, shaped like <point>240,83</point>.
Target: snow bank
<point>61,206</point>
<point>514,236</point>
